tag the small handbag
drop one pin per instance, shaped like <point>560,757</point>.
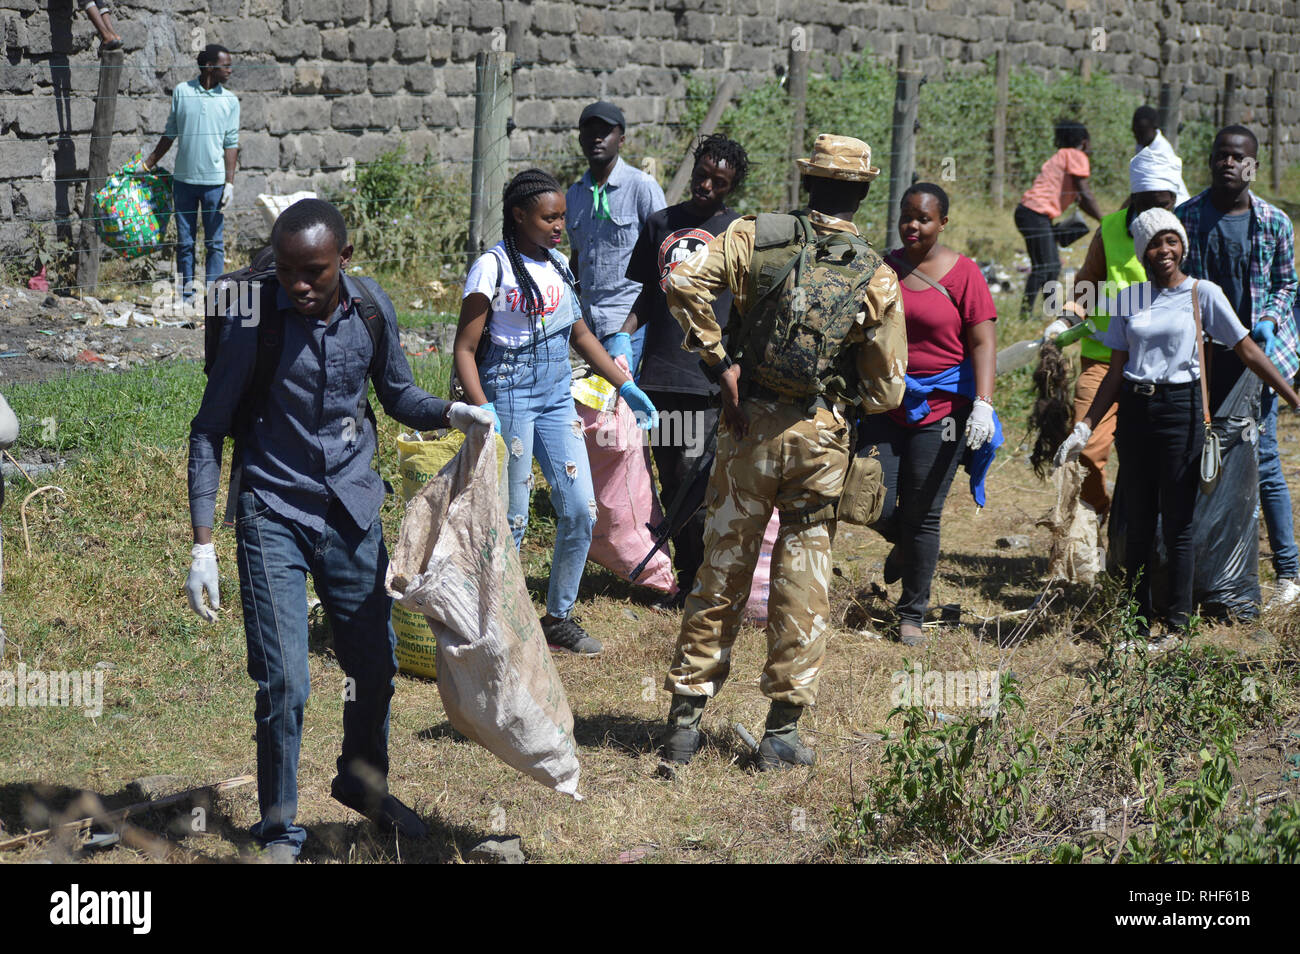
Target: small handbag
<point>1212,450</point>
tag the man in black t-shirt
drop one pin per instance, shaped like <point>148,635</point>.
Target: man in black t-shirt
<point>672,377</point>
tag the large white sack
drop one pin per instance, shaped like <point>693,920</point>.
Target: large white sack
<point>455,562</point>
<point>1074,555</point>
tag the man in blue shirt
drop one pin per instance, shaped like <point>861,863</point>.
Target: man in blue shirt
<point>606,210</point>
<point>309,502</point>
<point>204,121</point>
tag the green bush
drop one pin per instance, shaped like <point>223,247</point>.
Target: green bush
<point>954,144</point>
<point>404,214</point>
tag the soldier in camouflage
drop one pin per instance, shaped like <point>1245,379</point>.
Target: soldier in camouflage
<point>817,326</point>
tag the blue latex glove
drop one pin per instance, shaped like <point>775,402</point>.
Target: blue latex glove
<point>1263,334</point>
<point>621,344</point>
<point>647,418</point>
<point>496,418</point>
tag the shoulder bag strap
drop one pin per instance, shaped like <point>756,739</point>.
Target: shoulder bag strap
<point>924,277</point>
<point>1200,353</point>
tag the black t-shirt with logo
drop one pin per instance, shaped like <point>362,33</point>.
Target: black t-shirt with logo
<point>670,236</point>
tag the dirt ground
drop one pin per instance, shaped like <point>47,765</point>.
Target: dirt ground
<point>44,336</point>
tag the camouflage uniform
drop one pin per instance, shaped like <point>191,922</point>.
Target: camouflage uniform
<point>793,459</point>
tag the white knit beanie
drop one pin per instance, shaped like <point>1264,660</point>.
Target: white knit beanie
<point>1151,223</point>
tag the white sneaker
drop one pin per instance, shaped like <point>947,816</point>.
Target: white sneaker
<point>1284,594</point>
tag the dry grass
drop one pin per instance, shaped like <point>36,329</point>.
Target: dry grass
<point>104,584</point>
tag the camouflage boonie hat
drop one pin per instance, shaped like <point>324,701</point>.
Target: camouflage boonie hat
<point>839,157</point>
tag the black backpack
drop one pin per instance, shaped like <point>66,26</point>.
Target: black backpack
<point>223,300</point>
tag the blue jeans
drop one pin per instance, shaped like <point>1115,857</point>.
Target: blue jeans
<point>347,566</point>
<point>638,347</point>
<point>530,388</point>
<point>1274,497</point>
<point>189,200</point>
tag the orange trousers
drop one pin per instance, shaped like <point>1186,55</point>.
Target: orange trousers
<point>1097,452</point>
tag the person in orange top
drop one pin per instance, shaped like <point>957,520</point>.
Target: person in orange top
<point>1062,180</point>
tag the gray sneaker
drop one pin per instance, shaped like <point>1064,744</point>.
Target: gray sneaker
<point>567,635</point>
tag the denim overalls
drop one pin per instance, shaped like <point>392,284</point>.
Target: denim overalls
<point>530,388</point>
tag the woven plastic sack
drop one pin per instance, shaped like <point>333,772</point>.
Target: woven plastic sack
<point>1074,555</point>
<point>133,207</point>
<point>418,462</point>
<point>455,563</point>
<point>625,497</point>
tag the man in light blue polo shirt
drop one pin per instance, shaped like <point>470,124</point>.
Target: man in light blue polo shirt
<point>204,122</point>
<point>606,210</point>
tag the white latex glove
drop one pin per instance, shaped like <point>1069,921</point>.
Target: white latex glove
<point>1073,445</point>
<point>463,416</point>
<point>979,426</point>
<point>8,424</point>
<point>1055,328</point>
<point>227,194</point>
<point>203,579</point>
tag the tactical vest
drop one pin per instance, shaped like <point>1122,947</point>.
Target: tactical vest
<point>1123,268</point>
<point>805,292</point>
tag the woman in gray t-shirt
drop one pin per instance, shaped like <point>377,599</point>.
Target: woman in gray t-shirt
<point>1155,374</point>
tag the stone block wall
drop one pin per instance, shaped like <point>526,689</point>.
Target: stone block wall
<point>324,81</point>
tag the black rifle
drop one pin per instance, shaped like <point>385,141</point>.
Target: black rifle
<point>686,502</point>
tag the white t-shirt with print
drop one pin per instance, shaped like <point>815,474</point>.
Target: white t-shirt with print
<point>508,324</point>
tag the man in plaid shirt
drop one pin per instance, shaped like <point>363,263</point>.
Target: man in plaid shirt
<point>1247,248</point>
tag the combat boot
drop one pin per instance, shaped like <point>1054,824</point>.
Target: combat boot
<point>781,748</point>
<point>683,739</point>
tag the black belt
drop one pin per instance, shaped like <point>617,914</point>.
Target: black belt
<point>767,394</point>
<point>1147,390</point>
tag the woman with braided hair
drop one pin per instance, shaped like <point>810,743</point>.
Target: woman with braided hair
<point>521,304</point>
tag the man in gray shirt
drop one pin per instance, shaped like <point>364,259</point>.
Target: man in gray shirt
<point>606,210</point>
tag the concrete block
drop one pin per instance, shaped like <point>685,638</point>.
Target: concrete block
<point>412,43</point>
<point>421,78</point>
<point>346,78</point>
<point>334,43</point>
<point>258,151</point>
<point>371,45</point>
<point>386,77</point>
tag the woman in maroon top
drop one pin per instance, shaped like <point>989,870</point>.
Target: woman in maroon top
<point>949,313</point>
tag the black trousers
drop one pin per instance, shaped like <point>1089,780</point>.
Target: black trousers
<point>685,422</point>
<point>918,465</point>
<point>1159,439</point>
<point>1044,259</point>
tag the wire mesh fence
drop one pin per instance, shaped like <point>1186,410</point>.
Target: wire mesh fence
<point>398,161</point>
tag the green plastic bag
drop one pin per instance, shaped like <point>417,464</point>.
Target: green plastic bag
<point>132,209</point>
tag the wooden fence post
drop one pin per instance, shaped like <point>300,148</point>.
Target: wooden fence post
<point>1275,122</point>
<point>101,139</point>
<point>902,145</point>
<point>797,89</point>
<point>720,102</point>
<point>1003,85</point>
<point>1169,112</point>
<point>493,102</point>
<point>1229,104</point>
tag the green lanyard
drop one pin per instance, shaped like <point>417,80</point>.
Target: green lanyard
<point>600,201</point>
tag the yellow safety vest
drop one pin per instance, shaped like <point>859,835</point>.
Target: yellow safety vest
<point>1123,268</point>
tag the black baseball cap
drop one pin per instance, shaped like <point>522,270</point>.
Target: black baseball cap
<point>603,110</point>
